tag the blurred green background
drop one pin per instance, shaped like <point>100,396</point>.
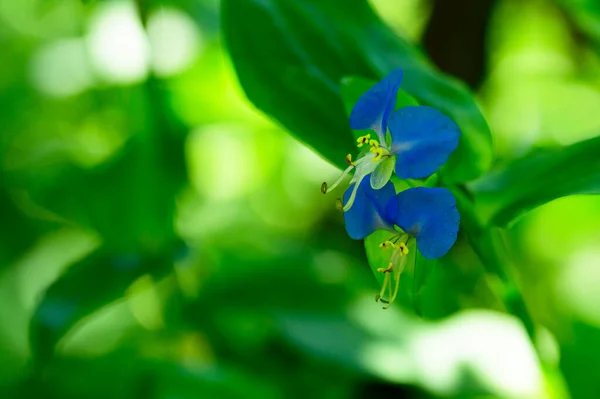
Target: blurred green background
<point>161,238</point>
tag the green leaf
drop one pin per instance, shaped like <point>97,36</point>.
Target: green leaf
<point>410,280</point>
<point>585,15</point>
<point>291,55</point>
<point>506,193</point>
<point>90,284</point>
<point>487,245</point>
<point>376,257</point>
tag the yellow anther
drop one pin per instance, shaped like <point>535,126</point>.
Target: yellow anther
<point>379,152</point>
<point>324,188</point>
<point>374,143</point>
<point>339,205</point>
<point>349,160</point>
<point>403,248</point>
<point>384,270</point>
<point>391,275</point>
<point>387,244</point>
<point>363,139</point>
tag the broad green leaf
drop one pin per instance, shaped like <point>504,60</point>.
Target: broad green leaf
<point>129,202</point>
<point>506,193</point>
<point>486,244</point>
<point>87,286</point>
<point>586,15</point>
<point>122,375</point>
<point>291,55</point>
<point>579,355</point>
<point>17,232</point>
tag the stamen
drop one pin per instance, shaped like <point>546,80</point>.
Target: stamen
<point>386,279</point>
<point>379,153</point>
<point>386,270</point>
<point>349,160</point>
<point>339,205</point>
<point>397,278</point>
<point>325,189</point>
<point>393,271</point>
<point>403,248</point>
<point>360,160</point>
<point>388,244</point>
<point>374,143</point>
<point>389,295</point>
<point>363,139</point>
<point>353,195</point>
<point>393,296</point>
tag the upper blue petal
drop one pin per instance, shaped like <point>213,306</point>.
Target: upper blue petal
<point>423,138</point>
<point>373,108</point>
<point>430,215</point>
<point>367,213</point>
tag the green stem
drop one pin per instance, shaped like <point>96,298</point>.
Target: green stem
<point>485,243</point>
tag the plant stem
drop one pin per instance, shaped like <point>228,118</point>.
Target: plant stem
<point>485,242</point>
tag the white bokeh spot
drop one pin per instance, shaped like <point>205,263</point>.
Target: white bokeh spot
<point>175,41</point>
<point>117,43</point>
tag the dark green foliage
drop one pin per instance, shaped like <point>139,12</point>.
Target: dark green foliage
<point>300,51</point>
<point>160,240</point>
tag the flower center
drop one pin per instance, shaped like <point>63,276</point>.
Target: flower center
<point>363,168</point>
<point>380,152</point>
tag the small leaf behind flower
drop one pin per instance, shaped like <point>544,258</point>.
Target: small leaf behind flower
<point>377,257</point>
<point>411,279</point>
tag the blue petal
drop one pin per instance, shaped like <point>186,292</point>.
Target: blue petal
<point>423,138</point>
<point>367,213</point>
<point>430,215</point>
<point>372,109</point>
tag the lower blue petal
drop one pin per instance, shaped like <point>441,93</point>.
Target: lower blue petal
<point>367,213</point>
<point>430,215</point>
<point>372,109</point>
<point>423,138</point>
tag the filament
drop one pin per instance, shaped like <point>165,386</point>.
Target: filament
<point>325,189</point>
<point>397,274</point>
<point>353,195</point>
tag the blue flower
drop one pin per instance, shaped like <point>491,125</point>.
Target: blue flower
<point>422,139</point>
<point>427,216</point>
<point>369,210</point>
<point>373,108</point>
